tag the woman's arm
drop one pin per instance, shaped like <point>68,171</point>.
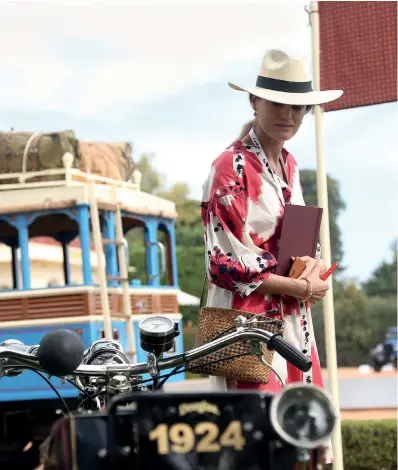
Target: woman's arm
<point>233,261</point>
<point>275,284</point>
<point>298,288</point>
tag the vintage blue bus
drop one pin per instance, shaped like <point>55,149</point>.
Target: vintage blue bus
<point>68,204</point>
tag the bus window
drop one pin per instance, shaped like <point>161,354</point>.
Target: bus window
<point>54,251</point>
<point>137,269</point>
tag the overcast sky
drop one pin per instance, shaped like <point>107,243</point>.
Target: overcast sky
<point>155,73</point>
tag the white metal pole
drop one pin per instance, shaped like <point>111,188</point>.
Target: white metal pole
<point>96,230</point>
<point>328,307</point>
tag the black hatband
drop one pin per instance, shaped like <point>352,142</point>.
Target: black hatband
<point>283,85</point>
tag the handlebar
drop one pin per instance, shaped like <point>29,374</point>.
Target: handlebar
<point>289,352</point>
<point>23,354</point>
<point>19,356</point>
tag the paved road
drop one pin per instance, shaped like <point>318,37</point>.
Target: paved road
<point>355,393</point>
<point>367,392</point>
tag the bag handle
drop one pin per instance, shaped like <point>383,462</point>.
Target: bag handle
<point>202,297</point>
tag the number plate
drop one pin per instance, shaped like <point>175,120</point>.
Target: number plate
<point>203,431</point>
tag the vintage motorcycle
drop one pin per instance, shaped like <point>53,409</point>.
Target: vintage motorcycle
<point>118,426</point>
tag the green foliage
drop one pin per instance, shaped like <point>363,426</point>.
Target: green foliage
<point>354,326</point>
<point>190,247</point>
<point>152,180</point>
<point>178,193</point>
<point>352,321</point>
<point>384,315</point>
<point>189,215</point>
<point>189,336</point>
<point>137,259</point>
<point>335,203</point>
<point>370,445</point>
<point>383,281</point>
<point>360,324</point>
<point>191,268</point>
<point>189,314</point>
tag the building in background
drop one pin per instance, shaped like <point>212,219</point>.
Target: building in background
<point>46,263</point>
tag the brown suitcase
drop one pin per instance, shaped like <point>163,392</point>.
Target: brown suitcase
<point>112,160</point>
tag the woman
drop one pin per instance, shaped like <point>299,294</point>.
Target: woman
<point>242,210</point>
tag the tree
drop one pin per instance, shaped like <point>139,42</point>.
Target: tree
<point>178,193</point>
<point>361,323</point>
<point>383,311</point>
<point>353,327</point>
<point>189,215</point>
<point>336,204</point>
<point>152,180</point>
<point>383,281</point>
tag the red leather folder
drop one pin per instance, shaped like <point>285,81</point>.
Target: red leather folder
<point>299,235</point>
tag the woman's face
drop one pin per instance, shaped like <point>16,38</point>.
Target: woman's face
<point>278,121</point>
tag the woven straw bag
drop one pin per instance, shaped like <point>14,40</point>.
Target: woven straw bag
<point>214,322</point>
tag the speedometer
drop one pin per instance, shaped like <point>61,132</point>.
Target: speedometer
<point>157,334</point>
<point>156,326</point>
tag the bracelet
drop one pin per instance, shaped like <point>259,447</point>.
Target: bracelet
<point>309,290</point>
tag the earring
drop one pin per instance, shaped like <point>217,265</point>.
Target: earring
<point>255,113</point>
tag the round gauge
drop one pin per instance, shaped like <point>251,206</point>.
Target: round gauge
<point>156,326</point>
<point>303,415</point>
<point>157,334</point>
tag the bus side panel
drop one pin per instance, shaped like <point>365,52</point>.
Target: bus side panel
<point>29,385</point>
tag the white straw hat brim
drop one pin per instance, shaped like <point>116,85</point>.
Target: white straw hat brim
<point>308,98</point>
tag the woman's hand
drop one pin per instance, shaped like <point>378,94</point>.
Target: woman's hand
<point>298,288</point>
<point>310,263</point>
<point>323,268</point>
<point>313,271</point>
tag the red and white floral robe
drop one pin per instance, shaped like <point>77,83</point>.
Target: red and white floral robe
<point>242,210</point>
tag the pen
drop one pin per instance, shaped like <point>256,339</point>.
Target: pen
<point>329,271</point>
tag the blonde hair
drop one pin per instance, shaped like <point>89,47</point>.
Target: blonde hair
<point>245,130</point>
<point>246,127</point>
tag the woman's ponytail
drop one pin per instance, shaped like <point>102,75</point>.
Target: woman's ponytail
<point>246,127</point>
<point>245,130</point>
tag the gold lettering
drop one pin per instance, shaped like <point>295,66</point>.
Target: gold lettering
<point>210,432</point>
<point>199,407</point>
<point>183,437</point>
<point>159,434</point>
<point>233,436</point>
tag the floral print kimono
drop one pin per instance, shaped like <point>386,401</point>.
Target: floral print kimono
<point>242,211</point>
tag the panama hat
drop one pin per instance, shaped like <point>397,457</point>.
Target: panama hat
<point>285,79</point>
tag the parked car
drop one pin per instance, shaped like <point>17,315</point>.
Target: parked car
<point>386,352</point>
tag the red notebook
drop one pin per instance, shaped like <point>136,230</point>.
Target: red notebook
<point>299,236</point>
